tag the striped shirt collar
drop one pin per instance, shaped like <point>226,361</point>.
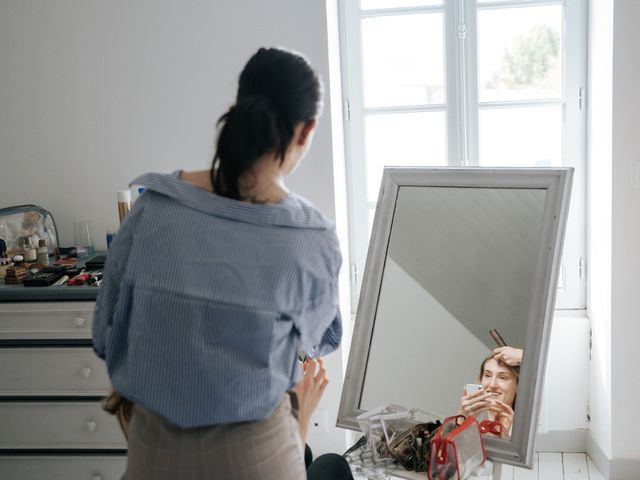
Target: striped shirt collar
<point>292,211</point>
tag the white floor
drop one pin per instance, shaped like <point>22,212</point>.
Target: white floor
<point>555,466</point>
<point>550,466</point>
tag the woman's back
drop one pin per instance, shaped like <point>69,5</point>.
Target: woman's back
<point>215,300</point>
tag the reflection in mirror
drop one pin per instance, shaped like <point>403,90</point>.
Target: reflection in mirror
<point>461,262</point>
<point>447,287</point>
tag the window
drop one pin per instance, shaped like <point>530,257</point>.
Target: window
<point>465,82</point>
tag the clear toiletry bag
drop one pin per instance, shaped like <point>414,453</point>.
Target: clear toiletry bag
<point>26,224</point>
<point>456,450</point>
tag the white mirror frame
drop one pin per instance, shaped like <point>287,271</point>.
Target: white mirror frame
<point>518,450</point>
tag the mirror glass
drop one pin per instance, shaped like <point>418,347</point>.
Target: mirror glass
<point>460,262</point>
<point>456,255</point>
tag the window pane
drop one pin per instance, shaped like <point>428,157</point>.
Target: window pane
<point>403,60</point>
<point>402,139</point>
<point>371,4</point>
<point>521,137</point>
<point>520,53</point>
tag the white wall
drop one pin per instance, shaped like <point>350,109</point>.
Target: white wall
<point>566,383</point>
<point>614,230</point>
<point>599,219</point>
<point>625,248</point>
<point>94,93</point>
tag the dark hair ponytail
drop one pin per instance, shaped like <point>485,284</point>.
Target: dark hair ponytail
<point>277,90</point>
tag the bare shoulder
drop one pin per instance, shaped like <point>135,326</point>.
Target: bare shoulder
<point>201,179</point>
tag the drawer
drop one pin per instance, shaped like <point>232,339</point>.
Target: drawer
<point>60,425</point>
<point>46,320</point>
<point>52,372</point>
<point>62,467</point>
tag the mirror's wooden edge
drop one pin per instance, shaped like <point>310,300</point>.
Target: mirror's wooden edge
<point>536,330</point>
<point>478,177</point>
<point>563,189</point>
<point>542,312</point>
<point>348,423</point>
<point>367,303</point>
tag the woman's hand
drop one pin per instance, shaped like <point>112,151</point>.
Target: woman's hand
<point>503,414</point>
<point>509,355</point>
<point>309,392</point>
<point>474,403</point>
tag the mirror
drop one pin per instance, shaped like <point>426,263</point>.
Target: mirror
<point>455,253</point>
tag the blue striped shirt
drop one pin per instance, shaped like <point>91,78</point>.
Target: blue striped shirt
<point>206,301</point>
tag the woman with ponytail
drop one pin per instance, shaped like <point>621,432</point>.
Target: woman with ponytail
<point>216,281</point>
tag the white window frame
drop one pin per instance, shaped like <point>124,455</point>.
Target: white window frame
<point>461,109</point>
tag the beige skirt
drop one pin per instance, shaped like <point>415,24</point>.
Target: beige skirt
<point>268,449</point>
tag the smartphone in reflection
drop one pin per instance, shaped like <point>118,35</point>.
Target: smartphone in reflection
<point>472,388</point>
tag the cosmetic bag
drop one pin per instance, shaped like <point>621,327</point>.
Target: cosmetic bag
<point>22,222</point>
<point>456,449</point>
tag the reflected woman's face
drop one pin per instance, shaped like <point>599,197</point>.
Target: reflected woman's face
<point>498,379</point>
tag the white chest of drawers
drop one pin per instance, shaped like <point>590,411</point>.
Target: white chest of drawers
<point>51,384</point>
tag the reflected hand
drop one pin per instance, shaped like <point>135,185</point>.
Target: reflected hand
<point>474,403</point>
<point>509,355</point>
<point>309,392</point>
<point>503,414</point>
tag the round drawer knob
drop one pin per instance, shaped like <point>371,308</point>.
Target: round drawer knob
<point>91,426</point>
<point>85,372</point>
<point>79,321</point>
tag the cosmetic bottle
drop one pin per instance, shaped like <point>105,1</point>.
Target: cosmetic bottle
<point>43,252</point>
<point>124,203</point>
<point>30,254</point>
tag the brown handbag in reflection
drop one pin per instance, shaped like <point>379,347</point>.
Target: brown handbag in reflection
<point>411,447</point>
<point>117,405</point>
